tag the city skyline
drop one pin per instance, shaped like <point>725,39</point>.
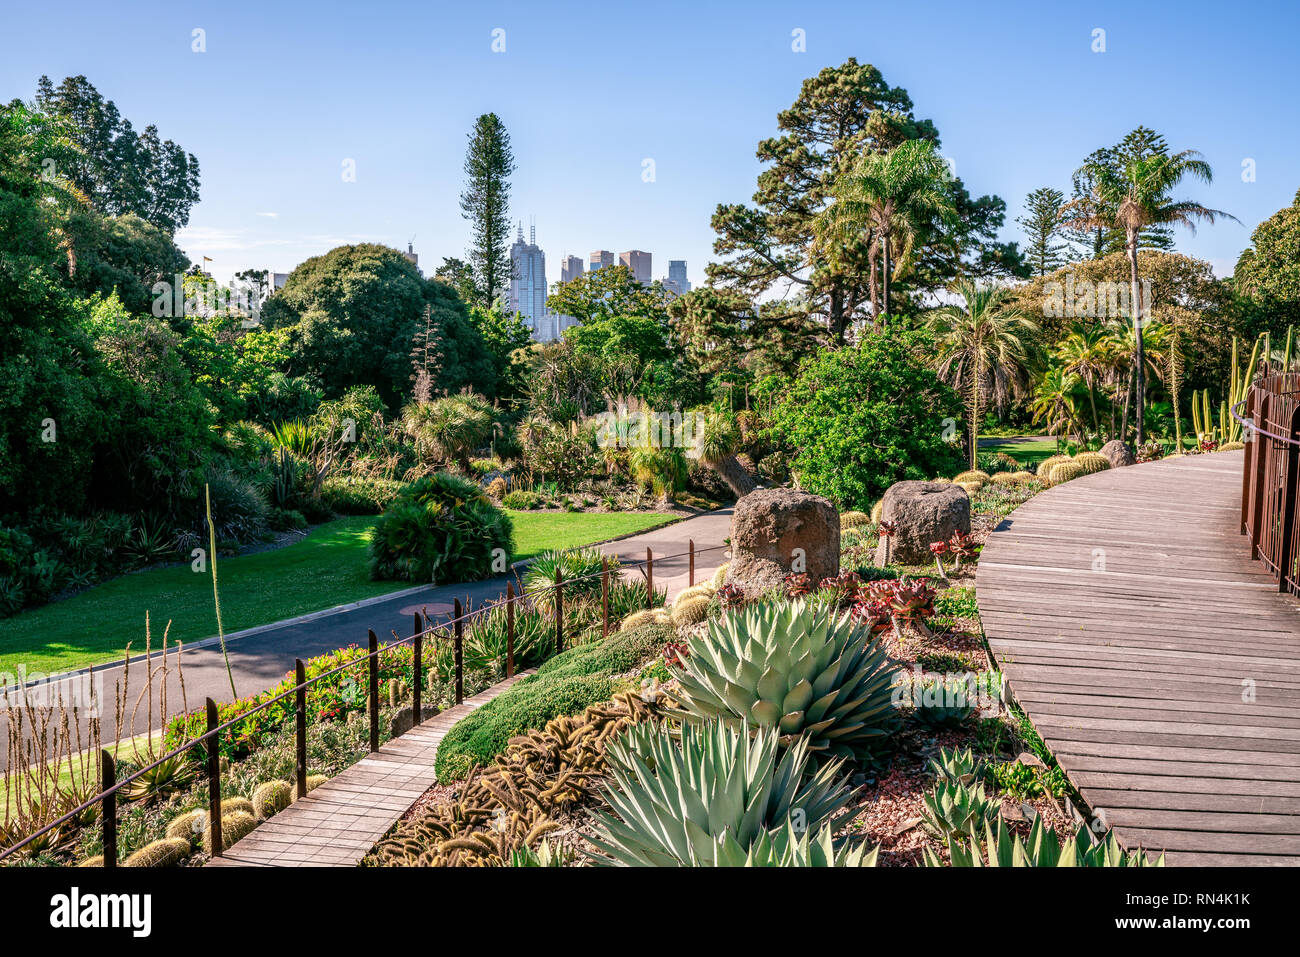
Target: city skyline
<point>285,201</point>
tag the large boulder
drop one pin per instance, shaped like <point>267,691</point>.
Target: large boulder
<point>1118,453</point>
<point>779,531</point>
<point>922,512</point>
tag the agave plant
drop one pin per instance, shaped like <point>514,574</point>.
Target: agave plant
<point>957,810</point>
<point>807,672</point>
<point>488,638</point>
<point>941,701</point>
<point>174,774</point>
<point>791,846</point>
<point>679,799</point>
<point>1044,848</point>
<point>956,767</point>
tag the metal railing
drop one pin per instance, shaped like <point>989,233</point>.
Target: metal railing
<point>110,786</point>
<point>1270,479</point>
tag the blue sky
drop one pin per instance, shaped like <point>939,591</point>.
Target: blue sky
<point>285,92</point>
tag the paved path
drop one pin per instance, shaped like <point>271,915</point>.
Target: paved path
<point>338,823</point>
<point>1156,659</point>
<point>261,657</point>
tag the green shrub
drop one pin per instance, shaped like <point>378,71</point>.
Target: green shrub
<point>861,419</point>
<point>566,684</point>
<point>440,527</point>
<point>580,567</point>
<point>522,500</point>
<point>357,496</point>
<point>488,634</point>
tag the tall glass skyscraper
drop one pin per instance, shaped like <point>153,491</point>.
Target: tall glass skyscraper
<point>528,285</point>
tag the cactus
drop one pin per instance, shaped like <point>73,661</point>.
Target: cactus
<point>1004,478</point>
<point>940,702</point>
<point>96,861</point>
<point>957,810</point>
<point>1022,477</point>
<point>720,576</point>
<point>971,475</point>
<point>646,616</point>
<point>690,611</point>
<point>970,488</point>
<point>234,826</point>
<point>1063,472</point>
<point>270,798</point>
<point>877,512</point>
<point>1092,462</point>
<point>1228,429</point>
<point>188,826</point>
<point>854,519</point>
<point>706,589</point>
<point>168,852</point>
<point>1231,446</point>
<point>940,481</point>
<point>313,782</point>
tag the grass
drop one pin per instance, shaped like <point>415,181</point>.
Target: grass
<point>1025,452</point>
<point>329,567</point>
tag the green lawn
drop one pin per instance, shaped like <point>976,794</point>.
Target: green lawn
<point>329,567</point>
<point>1026,452</point>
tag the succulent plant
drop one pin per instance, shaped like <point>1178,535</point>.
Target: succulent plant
<point>1002,848</point>
<point>877,511</point>
<point>646,616</point>
<point>690,611</point>
<point>957,810</point>
<point>167,852</point>
<point>791,846</point>
<point>801,670</point>
<point>270,798</point>
<point>938,550</point>
<point>962,546</point>
<point>720,576</point>
<point>704,588</point>
<point>956,767</point>
<point>970,488</point>
<point>731,596</point>
<point>1063,472</point>
<point>1231,446</point>
<point>942,702</point>
<point>1004,478</point>
<point>1045,467</point>
<point>971,475</point>
<point>170,776</point>
<point>677,799</point>
<point>854,519</point>
<point>1023,477</point>
<point>188,826</point>
<point>313,782</point>
<point>911,601</point>
<point>235,825</point>
<point>798,585</point>
<point>546,855</point>
<point>1092,462</point>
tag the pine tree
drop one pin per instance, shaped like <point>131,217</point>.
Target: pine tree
<point>1043,230</point>
<point>486,204</point>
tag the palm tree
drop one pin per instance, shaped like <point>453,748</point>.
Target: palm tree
<point>1137,352</point>
<point>449,429</point>
<point>716,444</point>
<point>1086,352</point>
<point>985,346</point>
<point>1053,402</point>
<point>891,197</point>
<point>1134,198</point>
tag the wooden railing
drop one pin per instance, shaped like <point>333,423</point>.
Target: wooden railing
<point>1270,480</point>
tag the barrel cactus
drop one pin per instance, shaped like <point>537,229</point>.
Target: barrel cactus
<point>877,511</point>
<point>1063,472</point>
<point>271,797</point>
<point>646,616</point>
<point>971,488</point>
<point>690,611</point>
<point>1023,477</point>
<point>971,475</point>
<point>854,519</point>
<point>313,782</point>
<point>1232,446</point>
<point>188,826</point>
<point>1092,462</point>
<point>1045,466</point>
<point>701,796</point>
<point>720,576</point>
<point>1004,478</point>
<point>233,827</point>
<point>705,588</point>
<point>805,670</point>
<point>167,852</point>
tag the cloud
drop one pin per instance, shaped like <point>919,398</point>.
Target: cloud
<point>270,215</point>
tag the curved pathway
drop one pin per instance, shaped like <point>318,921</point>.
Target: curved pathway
<point>1157,660</point>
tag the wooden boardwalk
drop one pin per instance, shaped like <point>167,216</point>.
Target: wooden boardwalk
<point>338,823</point>
<point>1158,662</point>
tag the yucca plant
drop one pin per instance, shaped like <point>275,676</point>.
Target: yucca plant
<point>807,672</point>
<point>1002,848</point>
<point>489,632</point>
<point>679,799</point>
<point>580,567</point>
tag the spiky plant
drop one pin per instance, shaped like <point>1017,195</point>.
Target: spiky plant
<point>720,576</point>
<point>956,767</point>
<point>678,799</point>
<point>1092,462</point>
<point>1064,472</point>
<point>168,852</point>
<point>957,810</point>
<point>1002,848</point>
<point>805,671</point>
<point>1045,466</point>
<point>690,610</point>
<point>854,519</point>
<point>581,568</point>
<point>791,846</point>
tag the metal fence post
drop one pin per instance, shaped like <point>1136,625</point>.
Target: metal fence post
<point>559,611</point>
<point>604,597</point>
<point>649,578</point>
<point>108,778</point>
<point>300,707</point>
<point>374,692</point>
<point>417,662</point>
<point>691,548</point>
<point>1290,489</point>
<point>214,781</point>
<point>457,645</point>
<point>510,629</point>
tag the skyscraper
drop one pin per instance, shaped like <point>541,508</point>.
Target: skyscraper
<point>571,269</point>
<point>528,285</point>
<point>677,281</point>
<point>638,264</point>
<point>601,258</point>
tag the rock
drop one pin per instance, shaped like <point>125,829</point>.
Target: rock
<point>923,512</point>
<point>780,531</point>
<point>1030,760</point>
<point>404,720</point>
<point>1117,453</point>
